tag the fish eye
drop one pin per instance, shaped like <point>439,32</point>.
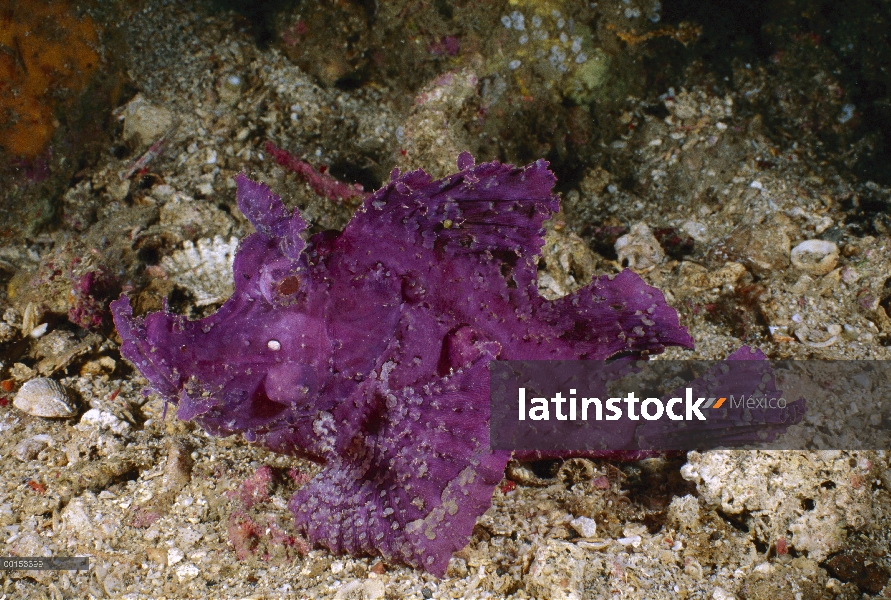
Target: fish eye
<point>289,285</point>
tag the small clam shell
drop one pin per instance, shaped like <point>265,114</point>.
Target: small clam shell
<point>44,397</point>
<point>816,257</point>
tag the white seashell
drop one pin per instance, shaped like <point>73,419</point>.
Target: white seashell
<point>816,257</point>
<point>44,397</point>
<point>30,318</point>
<point>204,269</point>
<point>38,331</point>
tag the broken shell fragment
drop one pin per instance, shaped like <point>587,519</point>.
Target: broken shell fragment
<point>45,397</point>
<point>29,448</point>
<point>816,257</point>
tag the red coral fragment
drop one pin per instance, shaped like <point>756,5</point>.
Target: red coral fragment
<point>448,45</point>
<point>600,483</point>
<point>144,518</point>
<point>782,547</point>
<point>37,487</point>
<point>299,477</point>
<point>248,537</point>
<point>280,538</point>
<point>243,535</point>
<point>321,183</point>
<point>255,488</point>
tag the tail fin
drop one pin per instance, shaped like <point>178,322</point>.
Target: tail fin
<point>615,314</point>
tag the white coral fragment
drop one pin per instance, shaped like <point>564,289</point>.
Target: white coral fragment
<point>639,249</point>
<point>816,257</point>
<point>812,499</point>
<point>204,269</point>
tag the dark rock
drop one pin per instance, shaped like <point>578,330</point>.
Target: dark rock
<point>855,567</point>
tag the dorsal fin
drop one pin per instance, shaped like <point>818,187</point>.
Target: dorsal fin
<point>492,207</point>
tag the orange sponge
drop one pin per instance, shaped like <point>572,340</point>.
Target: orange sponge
<point>47,55</point>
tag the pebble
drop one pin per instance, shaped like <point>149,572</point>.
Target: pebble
<point>187,572</point>
<point>850,333</point>
<point>824,224</point>
<point>722,594</point>
<point>816,257</point>
<point>700,278</point>
<point>849,275</point>
<point>852,566</point>
<point>174,555</point>
<point>178,467</point>
<point>696,230</point>
<point>633,541</point>
<point>158,555</point>
<point>38,331</point>
<point>231,89</point>
<point>374,589</point>
<point>44,397</point>
<point>145,122</point>
<point>584,526</point>
<point>762,248</point>
<point>105,365</point>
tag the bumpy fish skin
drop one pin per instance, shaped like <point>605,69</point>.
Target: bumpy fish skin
<point>368,349</point>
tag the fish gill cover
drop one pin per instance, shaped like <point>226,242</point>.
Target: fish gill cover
<point>368,350</point>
